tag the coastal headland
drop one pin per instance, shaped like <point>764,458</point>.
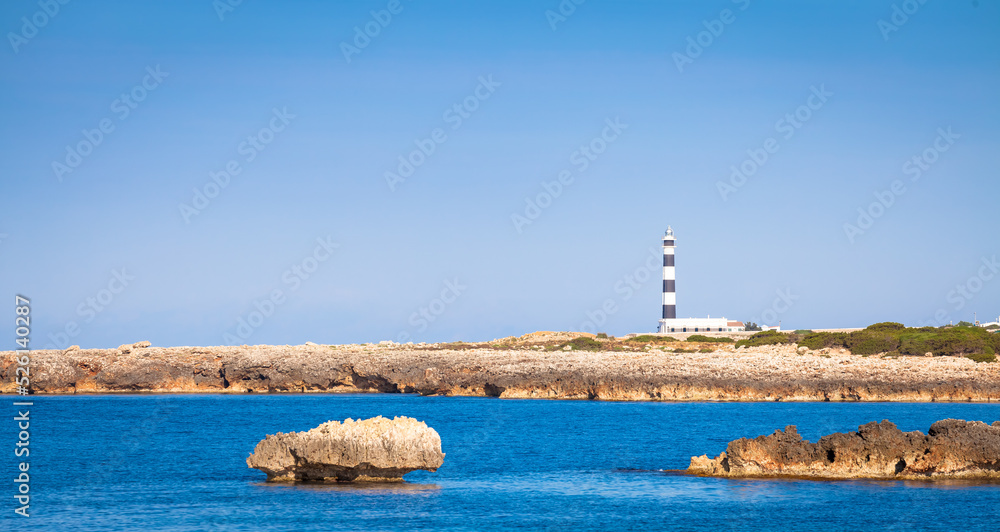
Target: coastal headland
<point>538,365</point>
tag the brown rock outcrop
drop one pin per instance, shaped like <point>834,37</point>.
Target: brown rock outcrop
<point>951,449</point>
<point>371,450</point>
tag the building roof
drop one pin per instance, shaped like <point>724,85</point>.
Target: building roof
<point>734,324</point>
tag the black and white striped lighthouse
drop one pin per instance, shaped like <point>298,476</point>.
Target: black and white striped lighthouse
<point>669,294</point>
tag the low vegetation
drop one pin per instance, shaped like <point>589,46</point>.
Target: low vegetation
<point>886,339</point>
<point>983,357</point>
<point>871,342</point>
<point>823,340</point>
<point>889,337</point>
<point>582,343</point>
<point>885,326</point>
<point>765,338</point>
<point>703,338</point>
<point>651,339</point>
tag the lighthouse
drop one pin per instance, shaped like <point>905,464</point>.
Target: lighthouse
<point>669,290</point>
<point>669,323</point>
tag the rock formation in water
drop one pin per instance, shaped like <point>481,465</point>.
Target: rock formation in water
<point>951,449</point>
<point>370,450</point>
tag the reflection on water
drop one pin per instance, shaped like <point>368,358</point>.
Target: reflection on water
<point>939,483</point>
<point>352,487</point>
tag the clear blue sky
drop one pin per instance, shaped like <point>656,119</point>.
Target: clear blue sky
<point>339,125</point>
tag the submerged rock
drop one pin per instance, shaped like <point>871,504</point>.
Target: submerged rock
<point>951,449</point>
<point>377,449</point>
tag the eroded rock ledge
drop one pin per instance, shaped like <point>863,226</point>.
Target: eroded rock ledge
<point>772,373</point>
<point>370,450</point>
<point>951,449</point>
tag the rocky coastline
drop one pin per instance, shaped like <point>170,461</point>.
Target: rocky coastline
<point>951,449</point>
<point>526,368</point>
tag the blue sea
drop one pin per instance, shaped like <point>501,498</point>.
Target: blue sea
<point>177,462</point>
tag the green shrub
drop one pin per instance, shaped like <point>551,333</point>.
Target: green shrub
<point>649,338</point>
<point>602,336</point>
<point>967,340</point>
<point>583,343</point>
<point>764,338</point>
<point>803,331</point>
<point>870,342</point>
<point>947,342</point>
<point>824,339</point>
<point>917,343</point>
<point>885,326</point>
<point>983,357</point>
<point>703,338</point>
<point>895,339</point>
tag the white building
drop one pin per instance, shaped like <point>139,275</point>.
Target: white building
<point>700,325</point>
<point>670,323</point>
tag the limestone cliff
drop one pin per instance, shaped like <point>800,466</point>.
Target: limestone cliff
<point>773,373</point>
